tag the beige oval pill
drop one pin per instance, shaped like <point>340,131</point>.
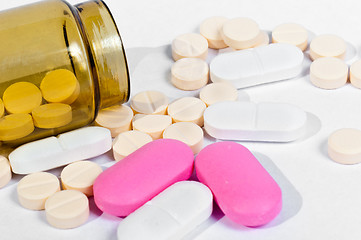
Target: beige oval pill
<point>344,146</point>
<point>67,209</point>
<point>34,189</point>
<point>5,171</point>
<point>355,74</point>
<point>240,33</point>
<point>187,109</point>
<point>327,45</point>
<point>187,132</point>
<point>117,119</point>
<point>328,73</point>
<point>190,73</point>
<point>128,142</point>
<point>291,33</point>
<point>189,45</point>
<point>211,28</point>
<point>149,102</point>
<point>80,176</point>
<point>154,125</point>
<point>218,92</point>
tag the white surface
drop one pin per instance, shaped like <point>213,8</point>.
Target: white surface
<point>170,215</point>
<point>247,121</point>
<point>53,152</point>
<point>328,196</point>
<point>259,65</point>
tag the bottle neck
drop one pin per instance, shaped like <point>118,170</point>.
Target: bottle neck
<point>107,55</point>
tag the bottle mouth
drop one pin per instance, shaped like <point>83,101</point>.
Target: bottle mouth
<point>109,63</point>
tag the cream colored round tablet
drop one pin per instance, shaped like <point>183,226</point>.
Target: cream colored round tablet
<point>154,125</point>
<point>344,146</point>
<point>2,109</point>
<point>291,33</point>
<point>117,119</point>
<point>67,209</point>
<point>149,102</point>
<point>327,45</point>
<point>189,45</point>
<point>218,92</point>
<point>5,171</point>
<point>240,33</point>
<point>262,39</point>
<point>187,109</point>
<point>80,176</point>
<point>60,86</point>
<point>34,189</point>
<point>190,73</point>
<point>355,74</point>
<point>328,73</point>
<point>22,97</point>
<point>128,142</point>
<point>52,115</point>
<point>187,132</point>
<point>15,126</point>
<point>211,28</point>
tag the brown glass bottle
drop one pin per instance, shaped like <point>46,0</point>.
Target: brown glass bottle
<point>44,37</point>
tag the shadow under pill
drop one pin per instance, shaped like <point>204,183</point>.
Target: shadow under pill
<point>351,51</point>
<point>313,126</point>
<point>324,148</point>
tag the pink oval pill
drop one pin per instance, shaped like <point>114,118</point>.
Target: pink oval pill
<point>128,184</point>
<point>243,189</point>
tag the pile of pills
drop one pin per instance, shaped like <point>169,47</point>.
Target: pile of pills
<point>154,140</point>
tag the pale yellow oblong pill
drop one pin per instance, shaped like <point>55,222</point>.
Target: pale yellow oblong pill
<point>128,142</point>
<point>355,74</point>
<point>5,171</point>
<point>52,115</point>
<point>149,102</point>
<point>22,97</point>
<point>187,132</point>
<point>190,73</point>
<point>117,119</point>
<point>34,189</point>
<point>15,126</point>
<point>291,33</point>
<point>154,125</point>
<point>344,146</point>
<point>328,73</point>
<point>189,45</point>
<point>327,45</point>
<point>60,86</point>
<point>80,176</point>
<point>67,209</point>
<point>217,92</point>
<point>2,108</point>
<point>211,28</point>
<point>187,109</point>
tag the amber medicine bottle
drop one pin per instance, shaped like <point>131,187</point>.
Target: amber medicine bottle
<point>59,65</point>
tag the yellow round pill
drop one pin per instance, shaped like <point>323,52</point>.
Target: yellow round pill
<point>52,115</point>
<point>2,110</point>
<point>15,126</point>
<point>60,86</point>
<point>22,97</point>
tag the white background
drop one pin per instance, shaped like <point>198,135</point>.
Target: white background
<point>327,195</point>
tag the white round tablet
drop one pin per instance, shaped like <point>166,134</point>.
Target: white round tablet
<point>189,45</point>
<point>291,33</point>
<point>190,73</point>
<point>217,92</point>
<point>344,146</point>
<point>211,30</point>
<point>327,45</point>
<point>240,33</point>
<point>328,73</point>
<point>355,74</point>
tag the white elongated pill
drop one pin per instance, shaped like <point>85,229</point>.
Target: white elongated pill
<point>58,151</point>
<point>246,121</point>
<point>245,68</point>
<point>170,215</point>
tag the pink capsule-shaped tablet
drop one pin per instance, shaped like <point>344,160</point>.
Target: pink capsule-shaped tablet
<point>243,189</point>
<point>131,182</point>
